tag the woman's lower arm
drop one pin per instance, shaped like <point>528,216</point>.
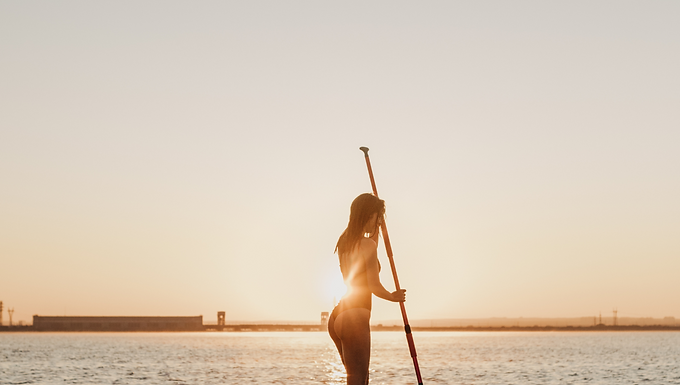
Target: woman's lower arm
<point>381,292</point>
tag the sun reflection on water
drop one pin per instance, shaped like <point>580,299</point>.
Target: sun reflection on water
<point>333,367</point>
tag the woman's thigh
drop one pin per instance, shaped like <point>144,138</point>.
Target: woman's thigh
<point>352,326</point>
<point>334,335</point>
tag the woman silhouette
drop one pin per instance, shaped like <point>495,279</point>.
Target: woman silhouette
<point>357,250</point>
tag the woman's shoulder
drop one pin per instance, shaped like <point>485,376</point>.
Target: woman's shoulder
<point>369,252</point>
<point>367,244</point>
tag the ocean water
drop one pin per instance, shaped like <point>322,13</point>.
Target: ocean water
<point>310,358</point>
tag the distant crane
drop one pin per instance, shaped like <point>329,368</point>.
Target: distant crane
<point>10,310</point>
<point>615,316</point>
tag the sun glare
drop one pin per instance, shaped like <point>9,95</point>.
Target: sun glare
<point>335,288</point>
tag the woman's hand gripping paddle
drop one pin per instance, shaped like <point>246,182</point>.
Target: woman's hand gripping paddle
<point>388,248</point>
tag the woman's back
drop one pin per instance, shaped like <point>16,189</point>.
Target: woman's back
<point>353,268</point>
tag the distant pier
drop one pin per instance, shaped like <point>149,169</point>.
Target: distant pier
<point>316,328</point>
<point>153,324</point>
<point>266,328</point>
<point>195,324</point>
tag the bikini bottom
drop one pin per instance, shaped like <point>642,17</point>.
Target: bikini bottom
<point>341,307</point>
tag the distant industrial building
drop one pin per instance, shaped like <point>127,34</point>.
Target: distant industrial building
<point>118,324</point>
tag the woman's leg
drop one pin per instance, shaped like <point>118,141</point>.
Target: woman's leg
<point>334,336</point>
<point>352,326</point>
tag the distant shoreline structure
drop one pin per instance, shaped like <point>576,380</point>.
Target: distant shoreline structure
<point>377,328</point>
<point>524,322</point>
<point>531,328</point>
<point>195,324</point>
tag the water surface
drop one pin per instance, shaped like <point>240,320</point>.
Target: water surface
<point>310,358</point>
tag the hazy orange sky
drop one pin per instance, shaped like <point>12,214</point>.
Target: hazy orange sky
<point>180,158</point>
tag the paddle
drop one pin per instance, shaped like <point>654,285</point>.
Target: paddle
<point>388,248</point>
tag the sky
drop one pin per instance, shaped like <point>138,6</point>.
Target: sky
<point>184,158</point>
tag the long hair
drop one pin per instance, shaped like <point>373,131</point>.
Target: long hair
<point>363,207</point>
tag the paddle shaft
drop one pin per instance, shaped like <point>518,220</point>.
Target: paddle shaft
<point>388,249</point>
